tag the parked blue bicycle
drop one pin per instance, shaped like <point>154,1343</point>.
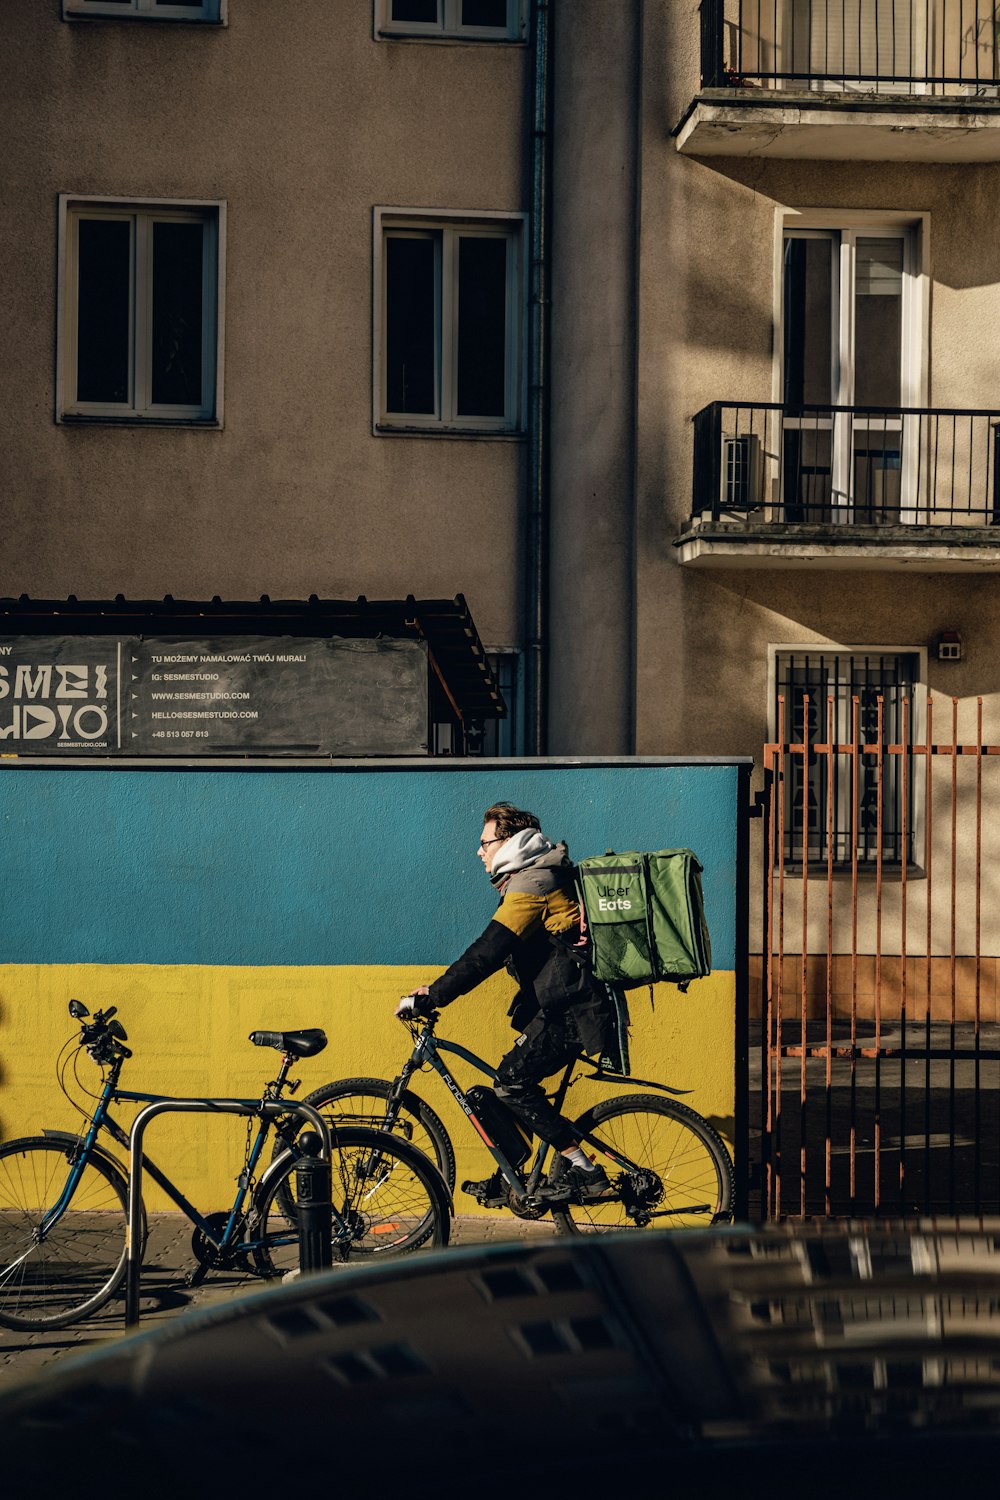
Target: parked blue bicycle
<point>64,1196</point>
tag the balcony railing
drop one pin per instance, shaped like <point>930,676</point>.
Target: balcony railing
<point>906,47</point>
<point>760,464</point>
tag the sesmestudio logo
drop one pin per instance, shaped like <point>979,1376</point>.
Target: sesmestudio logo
<point>65,703</point>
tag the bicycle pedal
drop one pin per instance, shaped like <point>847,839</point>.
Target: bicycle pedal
<point>490,1202</point>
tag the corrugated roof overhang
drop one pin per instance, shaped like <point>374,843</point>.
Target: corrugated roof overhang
<point>445,624</point>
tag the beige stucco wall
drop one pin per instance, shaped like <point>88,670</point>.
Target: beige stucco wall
<point>706,329</point>
<point>301,125</point>
<point>706,333</point>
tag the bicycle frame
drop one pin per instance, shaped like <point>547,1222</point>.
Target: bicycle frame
<point>102,1119</point>
<point>427,1051</point>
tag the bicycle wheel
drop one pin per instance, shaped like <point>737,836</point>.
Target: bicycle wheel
<point>80,1264</point>
<point>390,1199</point>
<point>362,1101</point>
<point>684,1178</point>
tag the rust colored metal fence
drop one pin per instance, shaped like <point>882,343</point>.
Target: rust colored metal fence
<point>878,973</point>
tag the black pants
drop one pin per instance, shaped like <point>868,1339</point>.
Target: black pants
<point>545,1048</point>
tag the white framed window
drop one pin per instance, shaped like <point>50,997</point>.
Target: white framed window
<point>148,10</point>
<point>851,357</point>
<point>140,310</point>
<point>467,20</point>
<point>449,314</point>
<point>842,797</point>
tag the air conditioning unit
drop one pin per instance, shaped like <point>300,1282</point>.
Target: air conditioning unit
<point>742,474</point>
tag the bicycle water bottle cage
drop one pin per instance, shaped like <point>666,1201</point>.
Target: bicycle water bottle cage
<point>298,1043</point>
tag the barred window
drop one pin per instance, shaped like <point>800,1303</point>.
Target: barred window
<point>836,796</point>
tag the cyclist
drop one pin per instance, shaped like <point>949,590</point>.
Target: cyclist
<point>558,1008</point>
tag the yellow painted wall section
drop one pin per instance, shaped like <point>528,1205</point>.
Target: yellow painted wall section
<point>188,1027</point>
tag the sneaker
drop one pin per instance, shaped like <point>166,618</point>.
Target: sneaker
<point>491,1192</point>
<point>575,1185</point>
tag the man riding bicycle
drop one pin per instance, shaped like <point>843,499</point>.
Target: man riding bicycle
<point>559,1009</point>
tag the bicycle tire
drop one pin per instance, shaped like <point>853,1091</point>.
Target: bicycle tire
<point>391,1194</point>
<point>80,1264</point>
<point>689,1158</point>
<point>361,1101</point>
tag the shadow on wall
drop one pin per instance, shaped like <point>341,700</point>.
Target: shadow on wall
<point>869,609</point>
<point>956,198</point>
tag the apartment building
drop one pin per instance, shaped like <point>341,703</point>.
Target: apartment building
<point>661,331</point>
<point>270,334</point>
<point>266,333</point>
<point>803,497</point>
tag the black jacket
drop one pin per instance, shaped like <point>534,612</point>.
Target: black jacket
<point>535,934</point>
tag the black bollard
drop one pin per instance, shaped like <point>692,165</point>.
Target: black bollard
<point>312,1195</point>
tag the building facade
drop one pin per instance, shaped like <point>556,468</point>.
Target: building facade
<point>662,331</point>
<point>265,316</point>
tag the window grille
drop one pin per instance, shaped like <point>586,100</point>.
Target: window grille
<point>810,684</point>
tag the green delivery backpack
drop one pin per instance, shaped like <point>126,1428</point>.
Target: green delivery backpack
<point>645,917</point>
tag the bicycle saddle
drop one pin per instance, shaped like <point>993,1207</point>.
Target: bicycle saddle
<point>301,1043</point>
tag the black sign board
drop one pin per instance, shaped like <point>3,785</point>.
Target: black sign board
<point>235,695</point>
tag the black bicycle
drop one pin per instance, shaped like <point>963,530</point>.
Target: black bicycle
<point>668,1166</point>
<point>63,1197</point>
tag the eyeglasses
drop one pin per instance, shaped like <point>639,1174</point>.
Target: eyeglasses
<point>485,843</point>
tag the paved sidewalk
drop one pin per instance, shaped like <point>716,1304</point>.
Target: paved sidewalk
<point>168,1261</point>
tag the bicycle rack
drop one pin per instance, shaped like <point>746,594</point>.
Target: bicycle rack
<point>133,1254</point>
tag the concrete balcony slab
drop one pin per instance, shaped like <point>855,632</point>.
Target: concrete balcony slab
<point>841,127</point>
<point>912,549</point>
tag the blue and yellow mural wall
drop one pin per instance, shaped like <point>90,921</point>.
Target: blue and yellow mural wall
<point>206,903</point>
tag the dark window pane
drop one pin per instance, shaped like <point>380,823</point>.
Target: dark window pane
<point>484,13</point>
<point>177,314</point>
<point>808,322</point>
<point>104,298</point>
<point>410,325</point>
<point>482,326</point>
<point>414,10</point>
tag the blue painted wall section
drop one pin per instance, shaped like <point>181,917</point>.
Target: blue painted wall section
<point>332,866</point>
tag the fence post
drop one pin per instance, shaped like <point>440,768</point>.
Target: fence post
<point>313,1200</point>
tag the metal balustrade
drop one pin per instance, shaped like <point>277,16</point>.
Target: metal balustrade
<point>908,47</point>
<point>762,464</point>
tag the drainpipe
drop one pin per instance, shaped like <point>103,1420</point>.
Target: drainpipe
<point>536,601</point>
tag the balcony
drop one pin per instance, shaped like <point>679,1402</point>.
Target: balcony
<point>888,488</point>
<point>840,80</point>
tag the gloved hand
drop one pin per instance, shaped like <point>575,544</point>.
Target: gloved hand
<point>411,1007</point>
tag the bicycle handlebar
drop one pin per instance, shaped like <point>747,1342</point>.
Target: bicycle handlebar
<point>103,1036</point>
<point>414,1021</point>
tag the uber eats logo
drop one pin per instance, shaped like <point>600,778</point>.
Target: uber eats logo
<point>613,898</point>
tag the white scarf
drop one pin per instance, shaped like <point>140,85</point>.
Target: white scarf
<point>521,850</point>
